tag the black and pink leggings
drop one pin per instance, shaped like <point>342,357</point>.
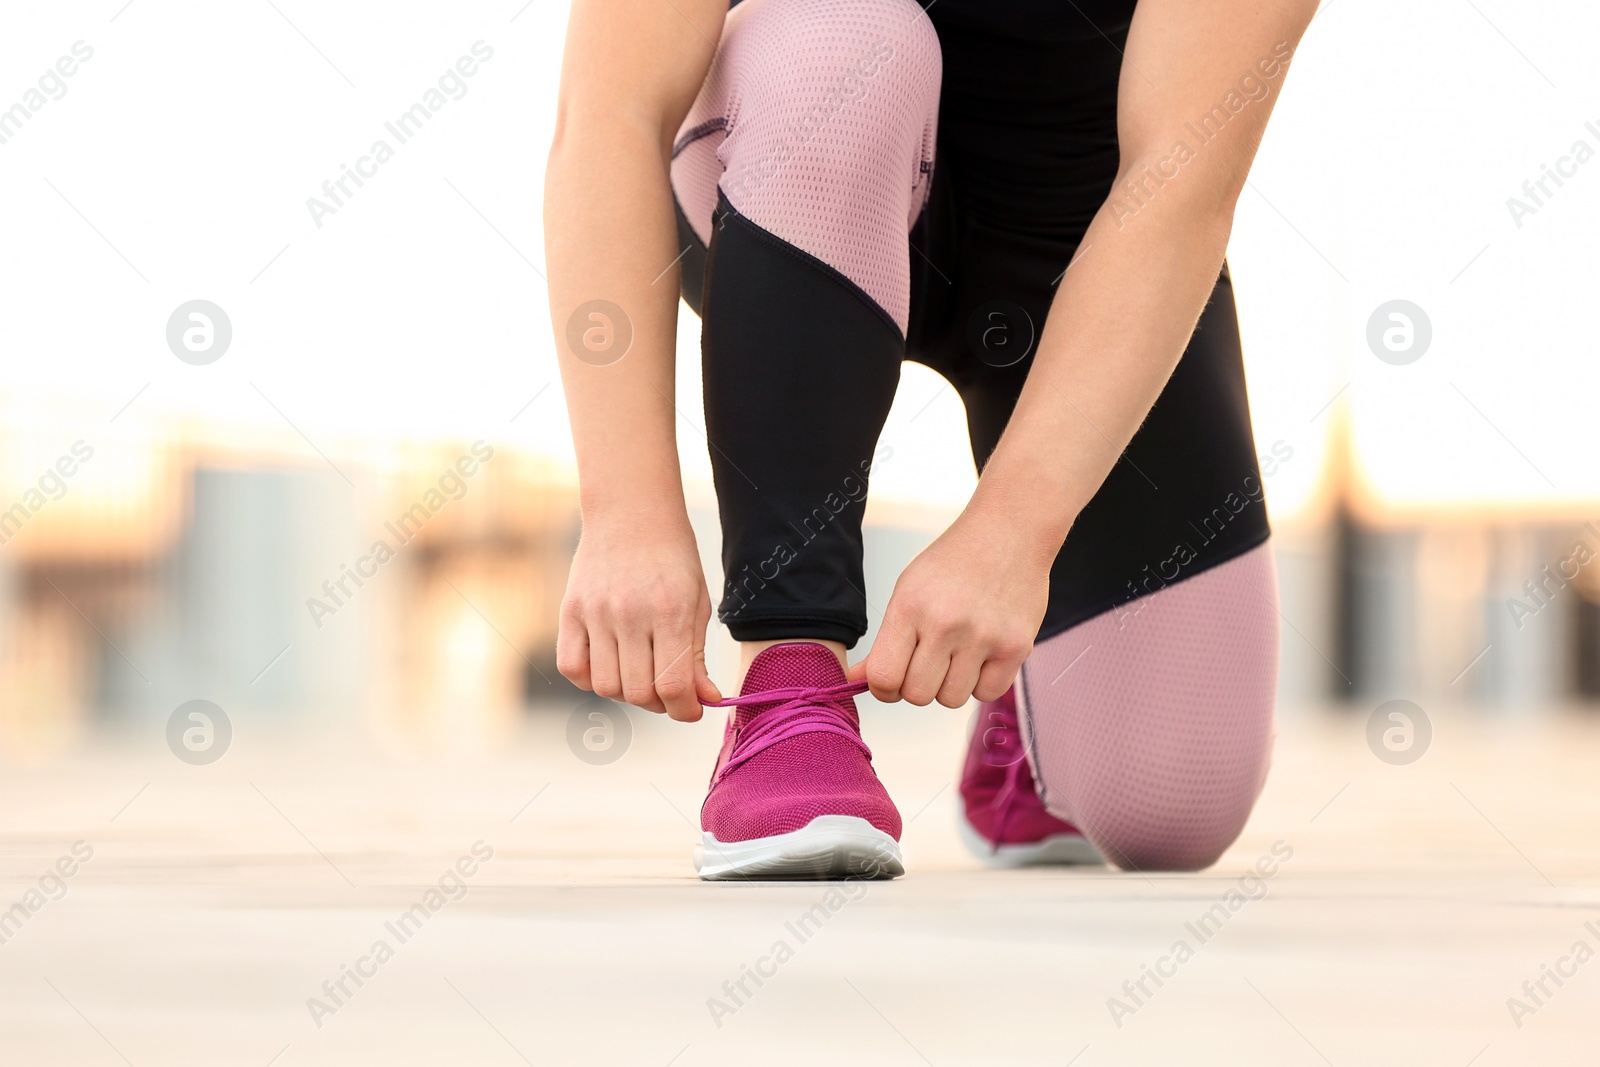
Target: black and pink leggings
<point>826,247</point>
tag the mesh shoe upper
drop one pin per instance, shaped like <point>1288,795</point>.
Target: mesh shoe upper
<point>997,789</point>
<point>792,751</point>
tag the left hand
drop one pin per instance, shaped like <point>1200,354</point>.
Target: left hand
<point>961,620</point>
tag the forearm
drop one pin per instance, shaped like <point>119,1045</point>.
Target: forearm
<point>610,235</point>
<point>1125,310</point>
<point>1121,319</point>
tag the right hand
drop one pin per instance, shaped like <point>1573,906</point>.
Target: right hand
<point>633,622</point>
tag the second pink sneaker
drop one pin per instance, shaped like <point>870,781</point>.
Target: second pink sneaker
<point>794,794</point>
<point>1003,821</point>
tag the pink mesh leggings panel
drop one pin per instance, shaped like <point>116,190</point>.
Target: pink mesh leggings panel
<point>817,121</point>
<point>1150,727</point>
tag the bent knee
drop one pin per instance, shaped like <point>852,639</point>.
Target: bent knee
<point>817,122</point>
<point>1175,837</point>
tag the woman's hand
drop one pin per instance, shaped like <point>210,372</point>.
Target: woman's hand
<point>962,617</point>
<point>633,622</point>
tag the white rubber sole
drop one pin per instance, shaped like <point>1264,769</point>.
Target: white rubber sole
<point>1058,850</point>
<point>829,846</point>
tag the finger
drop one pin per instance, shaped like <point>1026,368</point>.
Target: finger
<point>856,672</point>
<point>925,675</point>
<point>995,678</point>
<point>704,687</point>
<point>572,651</point>
<point>961,679</point>
<point>604,669</point>
<point>638,671</point>
<point>674,677</point>
<point>886,663</point>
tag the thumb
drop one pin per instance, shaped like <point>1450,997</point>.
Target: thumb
<point>857,671</point>
<point>704,688</point>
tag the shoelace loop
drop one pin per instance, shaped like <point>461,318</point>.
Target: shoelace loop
<point>800,709</point>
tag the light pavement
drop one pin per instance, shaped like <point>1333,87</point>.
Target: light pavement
<point>225,908</point>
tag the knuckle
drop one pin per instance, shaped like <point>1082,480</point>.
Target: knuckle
<point>1010,649</point>
<point>672,688</point>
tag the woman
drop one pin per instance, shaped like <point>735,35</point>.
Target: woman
<point>1032,197</point>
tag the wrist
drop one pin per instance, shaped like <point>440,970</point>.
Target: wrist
<point>1008,528</point>
<point>648,510</point>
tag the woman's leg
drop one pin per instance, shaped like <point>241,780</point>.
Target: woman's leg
<point>1150,727</point>
<point>1147,703</point>
<point>798,173</point>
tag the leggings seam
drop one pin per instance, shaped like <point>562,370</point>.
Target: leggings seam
<point>705,129</point>
<point>727,210</point>
<point>1100,608</point>
<point>807,615</point>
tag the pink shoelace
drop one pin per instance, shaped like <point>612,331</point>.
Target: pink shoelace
<point>801,709</point>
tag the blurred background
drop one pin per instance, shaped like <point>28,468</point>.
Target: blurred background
<point>281,432</point>
<point>198,515</point>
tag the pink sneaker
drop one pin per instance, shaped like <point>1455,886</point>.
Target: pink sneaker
<point>794,794</point>
<point>1003,821</point>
